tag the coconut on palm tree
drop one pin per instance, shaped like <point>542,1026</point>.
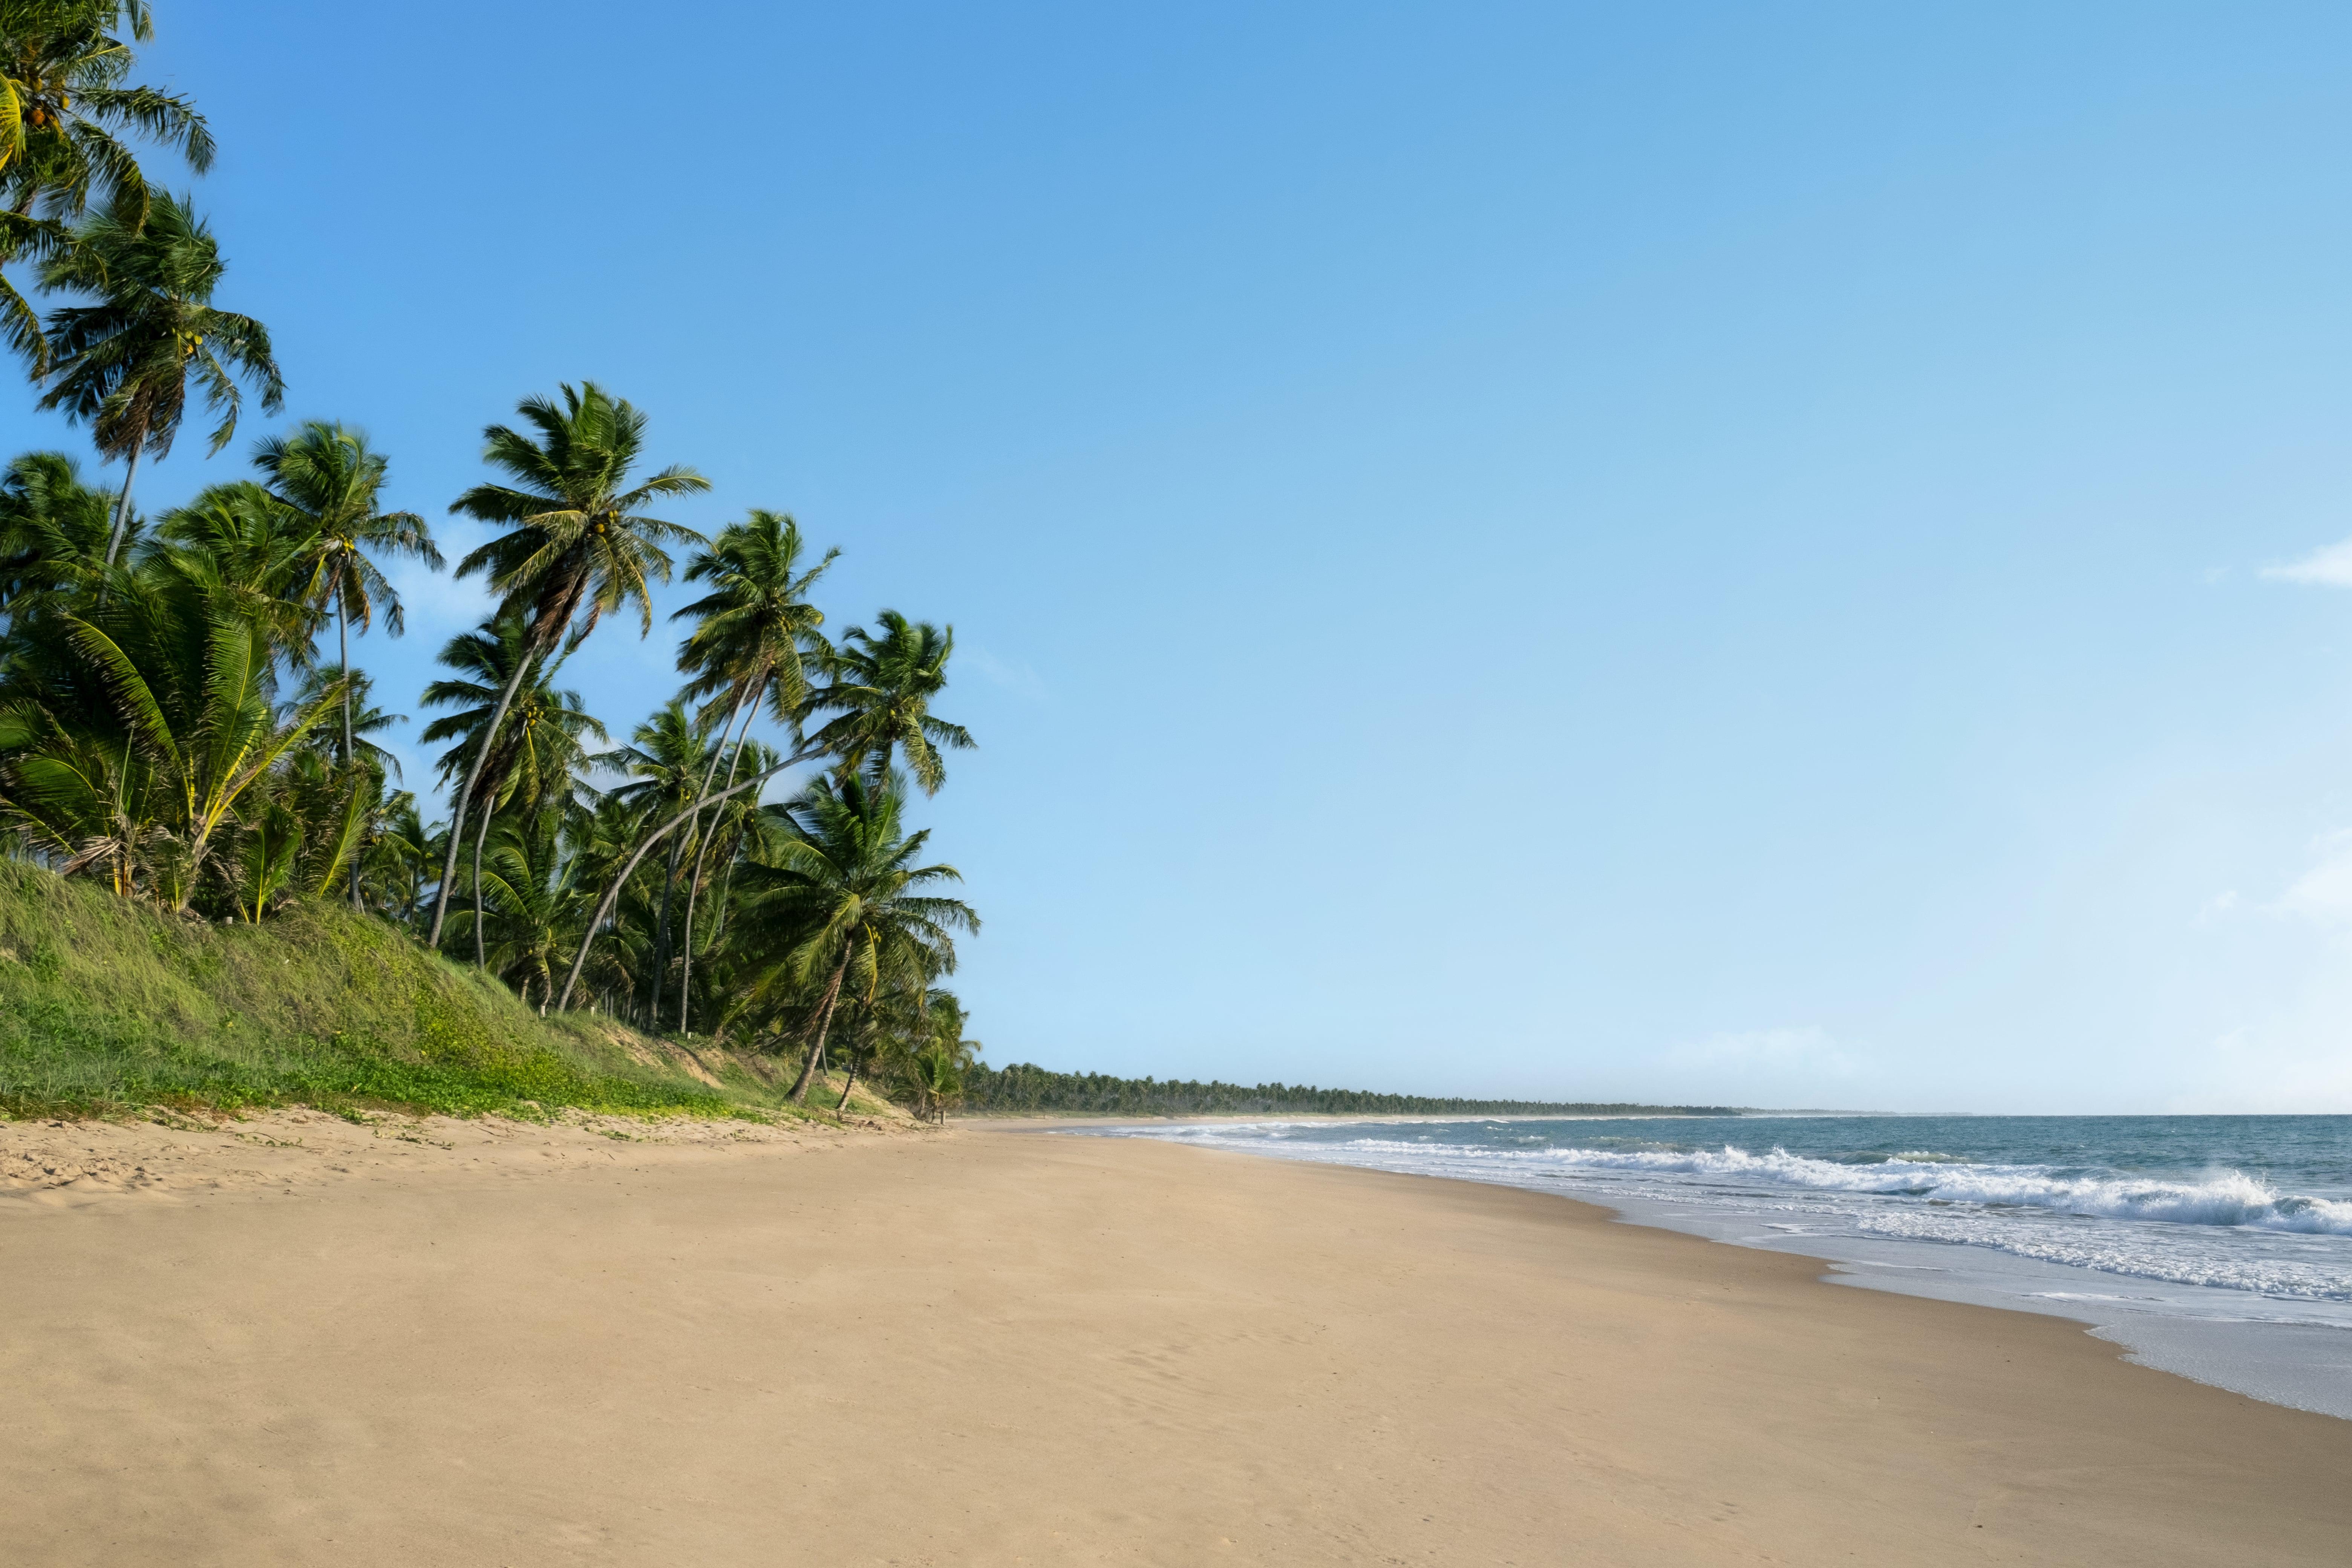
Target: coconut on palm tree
<point>125,361</point>
<point>579,544</point>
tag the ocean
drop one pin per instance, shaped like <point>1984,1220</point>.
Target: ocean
<point>2219,1247</point>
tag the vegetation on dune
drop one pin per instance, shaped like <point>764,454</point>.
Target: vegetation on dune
<point>1022,1089</point>
<point>106,1004</point>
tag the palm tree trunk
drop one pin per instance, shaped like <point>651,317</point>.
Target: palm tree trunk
<point>661,926</point>
<point>466,796</point>
<point>694,882</point>
<point>479,835</point>
<point>823,1022</point>
<point>122,506</point>
<point>613,893</point>
<point>343,658</point>
<point>344,653</point>
<point>842,1109</point>
<point>669,873</point>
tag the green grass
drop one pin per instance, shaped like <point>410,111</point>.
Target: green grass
<point>107,1006</point>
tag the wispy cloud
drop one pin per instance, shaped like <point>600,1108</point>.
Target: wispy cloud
<point>1810,1049</point>
<point>2220,907</point>
<point>2324,893</point>
<point>2330,566</point>
<point>1012,674</point>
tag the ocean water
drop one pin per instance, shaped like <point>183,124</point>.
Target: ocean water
<point>2216,1246</point>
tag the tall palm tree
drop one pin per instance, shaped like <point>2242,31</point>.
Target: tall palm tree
<point>325,475</point>
<point>841,907</point>
<point>755,635</point>
<point>881,690</point>
<point>63,109</point>
<point>579,545</point>
<point>125,361</point>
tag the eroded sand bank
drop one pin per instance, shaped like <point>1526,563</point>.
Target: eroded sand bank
<point>558,1347</point>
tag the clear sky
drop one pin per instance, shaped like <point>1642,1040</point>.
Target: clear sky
<point>1728,552</point>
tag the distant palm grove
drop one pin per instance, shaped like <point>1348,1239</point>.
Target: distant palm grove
<point>1023,1089</point>
<point>182,719</point>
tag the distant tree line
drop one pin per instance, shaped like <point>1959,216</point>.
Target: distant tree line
<point>1023,1088</point>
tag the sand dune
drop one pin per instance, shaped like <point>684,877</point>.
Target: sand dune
<point>539,1347</point>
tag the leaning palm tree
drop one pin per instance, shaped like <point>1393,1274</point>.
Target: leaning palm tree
<point>841,909</point>
<point>63,109</point>
<point>125,361</point>
<point>881,690</point>
<point>755,635</point>
<point>579,544</point>
<point>325,475</point>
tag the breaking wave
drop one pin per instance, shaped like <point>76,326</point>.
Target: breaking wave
<point>2219,1198</point>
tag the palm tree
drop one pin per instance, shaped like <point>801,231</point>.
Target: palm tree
<point>52,526</point>
<point>941,1055</point>
<point>395,853</point>
<point>755,634</point>
<point>539,755</point>
<point>247,551</point>
<point>536,902</point>
<point>361,721</point>
<point>124,361</point>
<point>326,474</point>
<point>840,907</point>
<point>728,832</point>
<point>881,688</point>
<point>579,544</point>
<point>63,106</point>
<point>665,756</point>
<point>135,746</point>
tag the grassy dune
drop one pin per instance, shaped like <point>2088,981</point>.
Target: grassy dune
<point>107,1005</point>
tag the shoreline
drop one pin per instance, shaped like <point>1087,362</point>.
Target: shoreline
<point>558,1347</point>
<point>2286,1350</point>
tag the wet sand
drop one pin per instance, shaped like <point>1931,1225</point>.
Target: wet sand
<point>556,1346</point>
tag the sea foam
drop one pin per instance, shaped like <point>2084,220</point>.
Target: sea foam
<point>2223,1198</point>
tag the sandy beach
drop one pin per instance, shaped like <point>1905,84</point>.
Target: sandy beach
<point>478,1344</point>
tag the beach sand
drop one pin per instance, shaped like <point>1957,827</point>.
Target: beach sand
<point>554,1347</point>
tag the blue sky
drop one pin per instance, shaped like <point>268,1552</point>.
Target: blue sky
<point>1698,552</point>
